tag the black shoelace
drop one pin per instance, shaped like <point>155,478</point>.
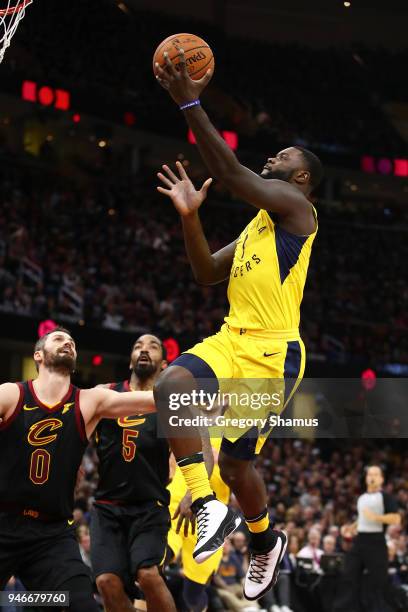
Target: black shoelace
<point>258,567</point>
<point>202,522</point>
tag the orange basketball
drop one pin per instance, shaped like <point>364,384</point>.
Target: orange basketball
<point>199,57</point>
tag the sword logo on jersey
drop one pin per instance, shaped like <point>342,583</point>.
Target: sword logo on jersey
<point>34,436</point>
<point>128,421</point>
<point>67,407</point>
<point>260,229</point>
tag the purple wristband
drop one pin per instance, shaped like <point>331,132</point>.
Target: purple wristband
<point>189,104</point>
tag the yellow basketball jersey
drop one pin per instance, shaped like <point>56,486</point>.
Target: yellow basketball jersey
<point>268,276</point>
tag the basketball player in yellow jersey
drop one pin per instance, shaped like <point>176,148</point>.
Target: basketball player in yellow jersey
<point>267,267</point>
<point>182,539</point>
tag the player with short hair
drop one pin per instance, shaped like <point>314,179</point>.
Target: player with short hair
<point>45,427</point>
<point>267,268</point>
<point>130,518</point>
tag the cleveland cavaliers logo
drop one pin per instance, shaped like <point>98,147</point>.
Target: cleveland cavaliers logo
<point>40,434</point>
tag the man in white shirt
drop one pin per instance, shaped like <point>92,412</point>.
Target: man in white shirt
<point>368,554</point>
<point>312,550</point>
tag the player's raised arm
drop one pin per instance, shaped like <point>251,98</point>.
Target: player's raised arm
<point>208,268</point>
<point>99,403</point>
<point>278,196</point>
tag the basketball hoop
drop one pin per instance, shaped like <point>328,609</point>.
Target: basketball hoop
<point>10,17</point>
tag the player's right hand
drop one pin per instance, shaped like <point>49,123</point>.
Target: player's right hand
<point>185,515</point>
<point>186,199</point>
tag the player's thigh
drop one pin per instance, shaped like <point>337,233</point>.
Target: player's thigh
<point>147,542</point>
<point>108,542</point>
<point>12,546</point>
<point>55,560</point>
<point>217,352</point>
<point>266,376</point>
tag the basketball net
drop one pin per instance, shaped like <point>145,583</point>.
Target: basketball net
<point>10,17</point>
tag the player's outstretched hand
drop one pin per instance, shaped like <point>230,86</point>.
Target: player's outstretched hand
<point>178,83</point>
<point>185,515</point>
<point>181,190</point>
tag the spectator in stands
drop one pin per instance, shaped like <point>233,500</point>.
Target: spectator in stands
<point>311,550</point>
<point>329,545</point>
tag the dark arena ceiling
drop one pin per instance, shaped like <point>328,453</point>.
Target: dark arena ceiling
<point>318,22</point>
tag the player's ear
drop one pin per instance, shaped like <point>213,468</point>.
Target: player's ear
<point>302,177</point>
<point>130,366</point>
<point>163,365</point>
<point>38,358</point>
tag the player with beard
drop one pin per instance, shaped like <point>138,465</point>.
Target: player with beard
<point>45,427</point>
<point>130,518</point>
<point>267,268</point>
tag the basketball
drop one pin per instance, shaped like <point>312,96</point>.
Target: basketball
<point>198,54</point>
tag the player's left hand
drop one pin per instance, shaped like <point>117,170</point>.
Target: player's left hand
<point>178,82</point>
<point>185,515</point>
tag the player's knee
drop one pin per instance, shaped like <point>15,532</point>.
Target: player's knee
<point>173,380</point>
<point>231,470</point>
<point>148,578</point>
<point>110,586</point>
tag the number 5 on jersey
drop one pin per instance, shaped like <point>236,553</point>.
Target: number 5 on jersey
<point>128,444</point>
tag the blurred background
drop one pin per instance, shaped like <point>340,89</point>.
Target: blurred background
<point>86,242</point>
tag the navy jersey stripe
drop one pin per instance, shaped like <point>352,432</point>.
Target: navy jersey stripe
<point>293,363</point>
<point>288,248</point>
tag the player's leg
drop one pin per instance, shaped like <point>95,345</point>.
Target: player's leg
<point>12,546</point>
<point>274,367</point>
<point>267,545</point>
<point>53,562</point>
<point>109,557</point>
<point>81,598</point>
<point>112,590</point>
<point>147,546</point>
<point>157,595</point>
<point>198,369</point>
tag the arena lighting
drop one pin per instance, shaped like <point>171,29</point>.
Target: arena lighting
<point>231,138</point>
<point>129,118</point>
<point>347,4</point>
<point>45,95</point>
<point>172,347</point>
<point>76,118</point>
<point>97,360</point>
<point>368,379</point>
<point>384,165</point>
<point>46,326</point>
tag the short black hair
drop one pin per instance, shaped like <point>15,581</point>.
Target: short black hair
<point>314,165</point>
<point>163,348</point>
<point>375,465</point>
<point>39,345</point>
